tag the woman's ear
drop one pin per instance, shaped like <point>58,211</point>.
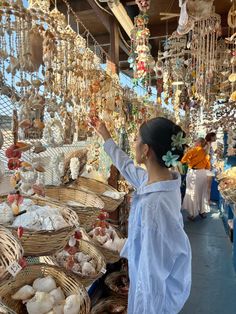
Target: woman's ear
<point>146,149</point>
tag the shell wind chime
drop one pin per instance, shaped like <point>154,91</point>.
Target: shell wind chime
<point>203,49</point>
<point>140,59</point>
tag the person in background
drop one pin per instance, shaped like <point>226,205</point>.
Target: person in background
<point>157,248</point>
<point>196,200</point>
<point>210,138</point>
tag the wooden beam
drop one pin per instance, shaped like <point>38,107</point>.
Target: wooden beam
<point>104,18</point>
<point>115,41</point>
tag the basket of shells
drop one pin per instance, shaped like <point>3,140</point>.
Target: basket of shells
<point>10,251</point>
<point>118,283</point>
<point>110,196</point>
<point>86,205</point>
<point>107,239</point>
<point>110,305</point>
<point>82,259</point>
<point>43,227</point>
<point>39,289</point>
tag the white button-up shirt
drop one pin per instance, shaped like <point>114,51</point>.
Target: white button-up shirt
<point>157,249</point>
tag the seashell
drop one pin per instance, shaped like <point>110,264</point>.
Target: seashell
<point>23,83</point>
<point>25,124</point>
<point>39,124</point>
<point>23,147</point>
<point>40,168</point>
<point>233,96</point>
<point>3,54</point>
<point>26,164</point>
<point>232,78</point>
<point>36,83</point>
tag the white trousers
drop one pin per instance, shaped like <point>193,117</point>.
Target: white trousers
<point>196,200</point>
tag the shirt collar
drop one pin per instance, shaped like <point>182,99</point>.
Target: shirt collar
<point>163,186</point>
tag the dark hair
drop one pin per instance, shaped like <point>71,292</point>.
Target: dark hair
<point>209,136</point>
<point>157,133</point>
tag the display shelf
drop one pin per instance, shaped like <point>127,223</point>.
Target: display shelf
<point>228,212</point>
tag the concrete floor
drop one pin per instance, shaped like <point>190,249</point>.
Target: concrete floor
<point>214,279</point>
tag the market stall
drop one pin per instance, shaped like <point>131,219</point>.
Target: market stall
<point>63,208</point>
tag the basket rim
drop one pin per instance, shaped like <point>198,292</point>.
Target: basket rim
<point>111,188</point>
<point>112,277</point>
<point>73,188</point>
<point>107,301</point>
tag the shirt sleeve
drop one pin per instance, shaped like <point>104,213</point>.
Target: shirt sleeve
<point>186,158</point>
<point>134,175</point>
<point>155,264</point>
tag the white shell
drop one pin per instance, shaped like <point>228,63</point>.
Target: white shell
<point>72,305</point>
<point>24,293</point>
<point>41,303</point>
<point>46,284</point>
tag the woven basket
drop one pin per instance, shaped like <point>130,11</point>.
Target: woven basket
<point>110,256</point>
<point>68,283</point>
<point>104,305</point>
<point>90,207</point>
<point>5,310</point>
<point>111,281</point>
<point>88,249</point>
<point>97,187</point>
<point>10,251</point>
<point>41,243</point>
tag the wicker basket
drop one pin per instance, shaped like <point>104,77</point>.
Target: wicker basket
<point>111,281</point>
<point>10,251</point>
<point>5,310</point>
<point>97,187</point>
<point>104,304</point>
<point>90,207</point>
<point>110,256</point>
<point>41,243</point>
<point>68,283</point>
<point>88,249</point>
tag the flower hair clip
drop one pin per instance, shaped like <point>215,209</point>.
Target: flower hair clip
<point>178,141</point>
<point>170,159</point>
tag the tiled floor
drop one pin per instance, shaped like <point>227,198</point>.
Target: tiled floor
<point>214,279</point>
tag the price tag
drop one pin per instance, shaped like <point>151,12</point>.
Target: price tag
<point>14,269</point>
<point>103,270</point>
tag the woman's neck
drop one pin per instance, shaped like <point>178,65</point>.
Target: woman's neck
<point>157,173</point>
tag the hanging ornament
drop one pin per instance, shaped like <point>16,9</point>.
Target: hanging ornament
<point>143,5</point>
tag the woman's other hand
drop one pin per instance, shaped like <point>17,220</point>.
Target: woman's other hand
<point>102,130</point>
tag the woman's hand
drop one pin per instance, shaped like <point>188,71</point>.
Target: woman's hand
<point>102,130</point>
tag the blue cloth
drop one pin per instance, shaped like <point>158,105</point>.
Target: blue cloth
<point>157,249</point>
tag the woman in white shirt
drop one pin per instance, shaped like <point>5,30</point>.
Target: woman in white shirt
<point>157,249</point>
